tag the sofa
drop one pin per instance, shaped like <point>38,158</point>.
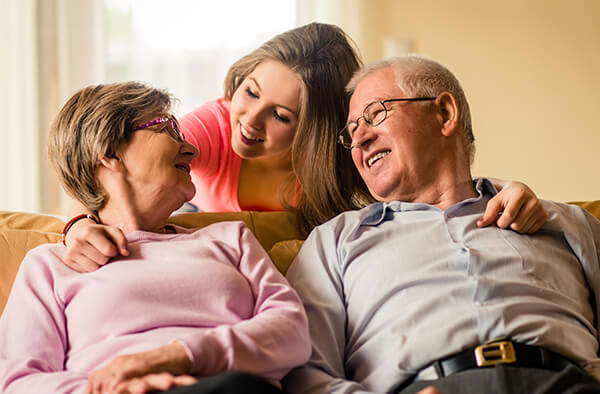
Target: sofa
<point>276,231</point>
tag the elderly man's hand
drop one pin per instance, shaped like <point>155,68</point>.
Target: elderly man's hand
<point>171,358</point>
<point>153,382</point>
<point>515,206</point>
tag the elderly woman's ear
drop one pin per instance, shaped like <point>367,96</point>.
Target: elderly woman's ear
<point>111,163</point>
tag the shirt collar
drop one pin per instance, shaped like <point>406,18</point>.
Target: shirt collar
<point>378,212</point>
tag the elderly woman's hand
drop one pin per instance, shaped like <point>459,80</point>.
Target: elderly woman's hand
<point>171,358</point>
<point>153,382</point>
<point>518,207</point>
<point>430,390</point>
<point>91,245</point>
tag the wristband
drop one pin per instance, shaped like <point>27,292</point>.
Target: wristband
<point>71,222</point>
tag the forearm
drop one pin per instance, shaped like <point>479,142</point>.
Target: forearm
<point>20,381</point>
<point>269,344</point>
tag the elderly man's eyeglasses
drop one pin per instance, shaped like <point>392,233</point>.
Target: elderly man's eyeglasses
<point>171,126</point>
<point>373,114</point>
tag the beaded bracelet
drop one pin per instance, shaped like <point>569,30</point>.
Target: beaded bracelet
<point>71,222</point>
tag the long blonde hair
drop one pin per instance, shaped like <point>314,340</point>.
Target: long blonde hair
<point>324,58</point>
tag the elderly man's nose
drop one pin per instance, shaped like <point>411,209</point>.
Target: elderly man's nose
<point>363,134</point>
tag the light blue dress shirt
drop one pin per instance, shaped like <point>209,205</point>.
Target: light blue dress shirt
<point>395,286</point>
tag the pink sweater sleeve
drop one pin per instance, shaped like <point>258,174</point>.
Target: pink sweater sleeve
<point>270,343</point>
<point>32,332</point>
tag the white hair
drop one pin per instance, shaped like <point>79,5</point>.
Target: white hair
<point>423,77</point>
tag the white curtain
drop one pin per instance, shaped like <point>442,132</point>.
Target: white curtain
<point>20,146</point>
<point>50,48</point>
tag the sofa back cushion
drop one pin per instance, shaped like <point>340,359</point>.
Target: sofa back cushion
<point>19,232</point>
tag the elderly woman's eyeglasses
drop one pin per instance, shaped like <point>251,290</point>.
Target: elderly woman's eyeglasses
<point>171,127</point>
<point>373,114</point>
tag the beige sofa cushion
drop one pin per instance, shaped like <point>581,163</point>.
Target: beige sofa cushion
<point>30,221</point>
<point>14,244</point>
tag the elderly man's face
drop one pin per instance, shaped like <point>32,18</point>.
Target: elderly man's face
<point>392,158</point>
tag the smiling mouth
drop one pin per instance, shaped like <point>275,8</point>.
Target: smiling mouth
<point>376,157</point>
<point>249,136</point>
<point>184,167</point>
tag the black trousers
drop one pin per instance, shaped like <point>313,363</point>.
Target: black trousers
<point>228,383</point>
<point>504,379</point>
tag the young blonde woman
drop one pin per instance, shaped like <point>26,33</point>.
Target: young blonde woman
<point>267,143</point>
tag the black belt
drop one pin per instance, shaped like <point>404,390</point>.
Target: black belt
<point>502,352</point>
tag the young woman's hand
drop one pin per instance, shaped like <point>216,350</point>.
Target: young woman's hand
<point>171,358</point>
<point>515,206</point>
<point>91,245</point>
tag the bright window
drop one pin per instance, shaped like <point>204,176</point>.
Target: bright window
<point>187,46</point>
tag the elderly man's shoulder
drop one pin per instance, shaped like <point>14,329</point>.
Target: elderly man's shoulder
<point>346,224</point>
<point>354,218</point>
<point>565,216</point>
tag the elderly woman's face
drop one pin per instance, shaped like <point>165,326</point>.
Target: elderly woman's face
<point>157,166</point>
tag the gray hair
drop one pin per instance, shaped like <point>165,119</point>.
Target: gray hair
<point>422,77</point>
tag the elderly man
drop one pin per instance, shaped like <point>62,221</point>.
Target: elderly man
<point>409,292</point>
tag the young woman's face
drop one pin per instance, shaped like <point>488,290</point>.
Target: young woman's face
<point>264,112</point>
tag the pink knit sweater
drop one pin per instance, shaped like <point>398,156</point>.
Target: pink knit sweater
<point>214,289</point>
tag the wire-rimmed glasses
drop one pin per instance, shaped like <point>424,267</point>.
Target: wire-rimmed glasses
<point>374,114</point>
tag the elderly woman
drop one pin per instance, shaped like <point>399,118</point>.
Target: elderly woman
<point>183,306</point>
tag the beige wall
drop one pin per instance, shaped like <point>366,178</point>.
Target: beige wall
<point>531,70</point>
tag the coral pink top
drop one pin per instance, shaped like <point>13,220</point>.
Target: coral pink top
<point>216,170</point>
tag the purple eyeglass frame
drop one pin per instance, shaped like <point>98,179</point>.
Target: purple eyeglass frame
<point>164,119</point>
<point>151,123</point>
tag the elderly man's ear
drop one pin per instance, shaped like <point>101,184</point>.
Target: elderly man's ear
<point>449,113</point>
